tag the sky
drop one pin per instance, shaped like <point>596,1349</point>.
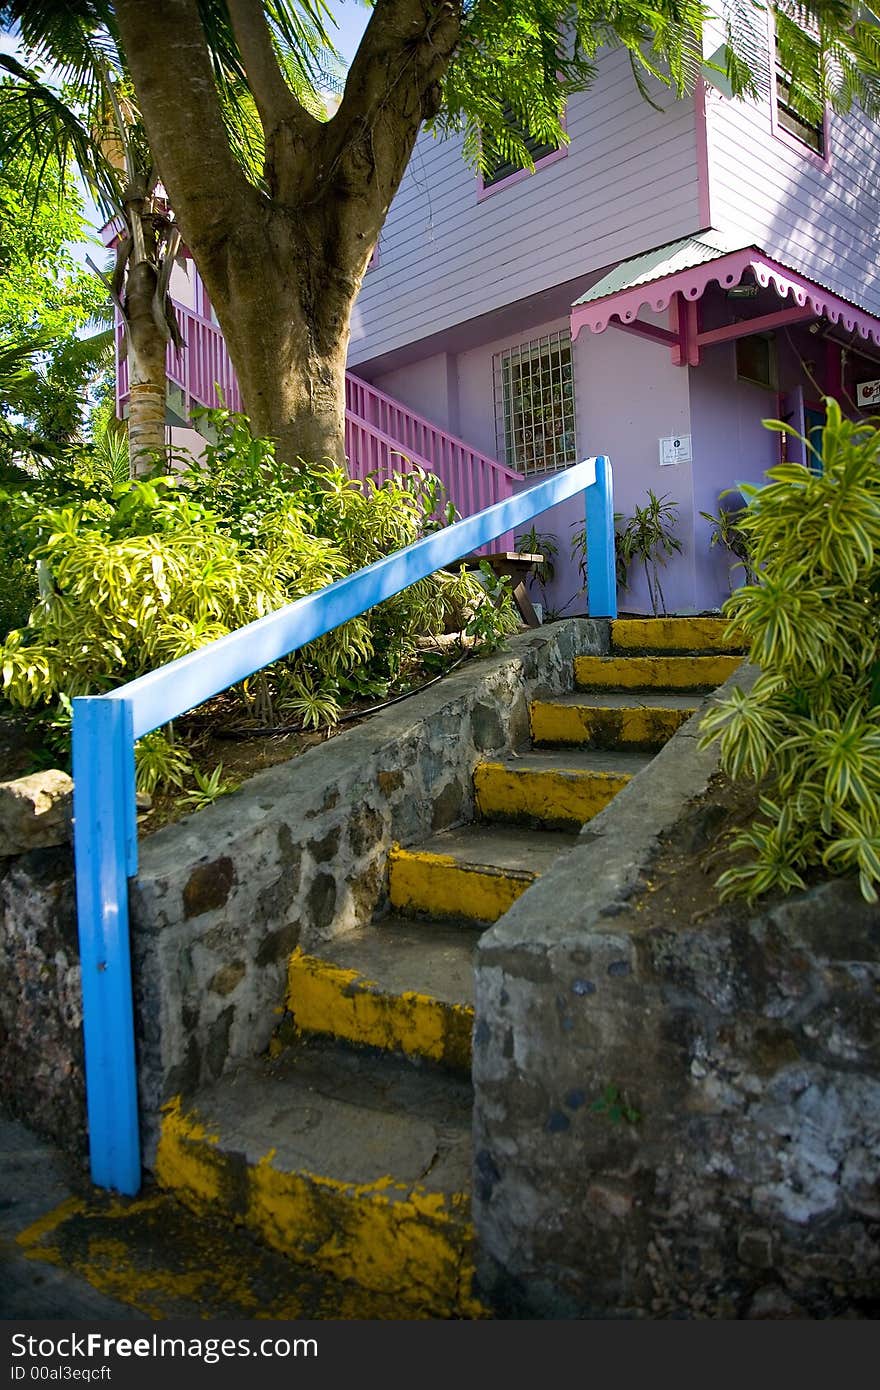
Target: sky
<point>352,18</point>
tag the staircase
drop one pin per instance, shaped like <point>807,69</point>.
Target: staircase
<point>382,436</point>
<point>349,1147</point>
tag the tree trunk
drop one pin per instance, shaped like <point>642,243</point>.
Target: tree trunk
<point>284,266</point>
<point>148,381</point>
<point>285,320</point>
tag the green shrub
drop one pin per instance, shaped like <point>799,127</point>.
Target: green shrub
<point>808,733</point>
<point>149,570</point>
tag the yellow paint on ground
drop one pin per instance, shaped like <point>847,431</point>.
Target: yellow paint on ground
<point>573,796</point>
<point>153,1255</point>
<point>644,726</point>
<point>675,634</point>
<point>323,998</point>
<point>653,672</point>
<point>384,1236</point>
<point>445,887</point>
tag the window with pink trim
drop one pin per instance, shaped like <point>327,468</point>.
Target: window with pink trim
<point>788,121</point>
<point>505,171</point>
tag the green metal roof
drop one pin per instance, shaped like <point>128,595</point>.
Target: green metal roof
<point>662,261</point>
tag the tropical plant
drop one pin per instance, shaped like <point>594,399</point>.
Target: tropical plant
<point>87,115</point>
<point>159,762</point>
<point>493,617</point>
<point>135,576</point>
<point>48,305</point>
<point>282,223</point>
<point>727,530</point>
<point>93,122</point>
<point>647,539</point>
<point>808,732</point>
<point>534,542</point>
<point>209,787</point>
<point>579,551</point>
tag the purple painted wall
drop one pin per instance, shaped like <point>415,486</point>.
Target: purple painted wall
<point>773,191</point>
<point>429,386</point>
<point>628,182</point>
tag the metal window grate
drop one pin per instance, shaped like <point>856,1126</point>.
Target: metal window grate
<point>534,405</point>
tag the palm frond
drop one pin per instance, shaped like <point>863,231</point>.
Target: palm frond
<point>41,125</point>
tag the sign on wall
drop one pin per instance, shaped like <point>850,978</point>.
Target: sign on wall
<point>676,448</point>
<point>868,393</point>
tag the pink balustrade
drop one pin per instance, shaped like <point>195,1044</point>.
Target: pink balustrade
<point>382,436</point>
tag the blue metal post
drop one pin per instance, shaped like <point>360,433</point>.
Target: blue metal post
<point>106,854</point>
<point>104,729</point>
<point>601,574</point>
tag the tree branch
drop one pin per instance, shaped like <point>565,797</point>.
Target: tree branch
<point>407,44</point>
<point>394,85</point>
<point>276,103</point>
<point>167,53</point>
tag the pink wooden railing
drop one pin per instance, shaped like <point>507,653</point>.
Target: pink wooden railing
<point>382,436</point>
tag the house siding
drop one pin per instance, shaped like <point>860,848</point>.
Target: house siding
<point>628,182</point>
<point>821,221</point>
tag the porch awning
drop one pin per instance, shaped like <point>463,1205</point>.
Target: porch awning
<point>677,275</point>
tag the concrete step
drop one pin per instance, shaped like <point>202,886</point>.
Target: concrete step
<point>557,790</point>
<point>475,872</point>
<point>399,985</point>
<point>611,719</point>
<point>653,672</point>
<point>643,635</point>
<point>301,1152</point>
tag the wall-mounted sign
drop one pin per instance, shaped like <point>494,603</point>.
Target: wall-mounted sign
<point>676,449</point>
<point>868,393</point>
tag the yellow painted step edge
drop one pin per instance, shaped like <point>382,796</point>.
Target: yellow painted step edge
<point>654,672</point>
<point>323,998</point>
<point>645,725</point>
<point>569,795</point>
<point>385,1235</point>
<point>445,887</point>
<point>683,634</point>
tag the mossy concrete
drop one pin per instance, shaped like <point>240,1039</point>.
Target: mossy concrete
<point>294,858</point>
<point>678,1119</point>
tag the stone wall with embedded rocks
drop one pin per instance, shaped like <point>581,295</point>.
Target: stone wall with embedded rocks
<point>293,857</point>
<point>676,1118</point>
<point>41,1063</point>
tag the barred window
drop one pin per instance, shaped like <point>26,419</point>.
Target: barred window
<point>534,405</point>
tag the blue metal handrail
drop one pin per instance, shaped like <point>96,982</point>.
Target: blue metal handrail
<point>106,726</point>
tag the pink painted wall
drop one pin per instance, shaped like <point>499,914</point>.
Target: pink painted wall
<point>631,396</point>
<point>730,445</point>
<point>627,395</point>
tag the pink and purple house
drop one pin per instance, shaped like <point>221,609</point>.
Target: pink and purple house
<point>653,291</point>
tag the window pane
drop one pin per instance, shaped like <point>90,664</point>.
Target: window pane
<point>534,405</point>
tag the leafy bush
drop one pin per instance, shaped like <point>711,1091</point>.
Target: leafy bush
<point>647,538</point>
<point>727,531</point>
<point>808,733</point>
<point>155,568</point>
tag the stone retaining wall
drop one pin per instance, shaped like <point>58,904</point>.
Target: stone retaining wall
<point>676,1120</point>
<point>221,899</point>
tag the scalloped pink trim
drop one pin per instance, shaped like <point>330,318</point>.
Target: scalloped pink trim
<point>726,271</point>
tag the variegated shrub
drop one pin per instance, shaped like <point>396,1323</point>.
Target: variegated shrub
<point>808,732</point>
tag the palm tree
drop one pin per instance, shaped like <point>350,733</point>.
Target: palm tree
<point>93,122</point>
